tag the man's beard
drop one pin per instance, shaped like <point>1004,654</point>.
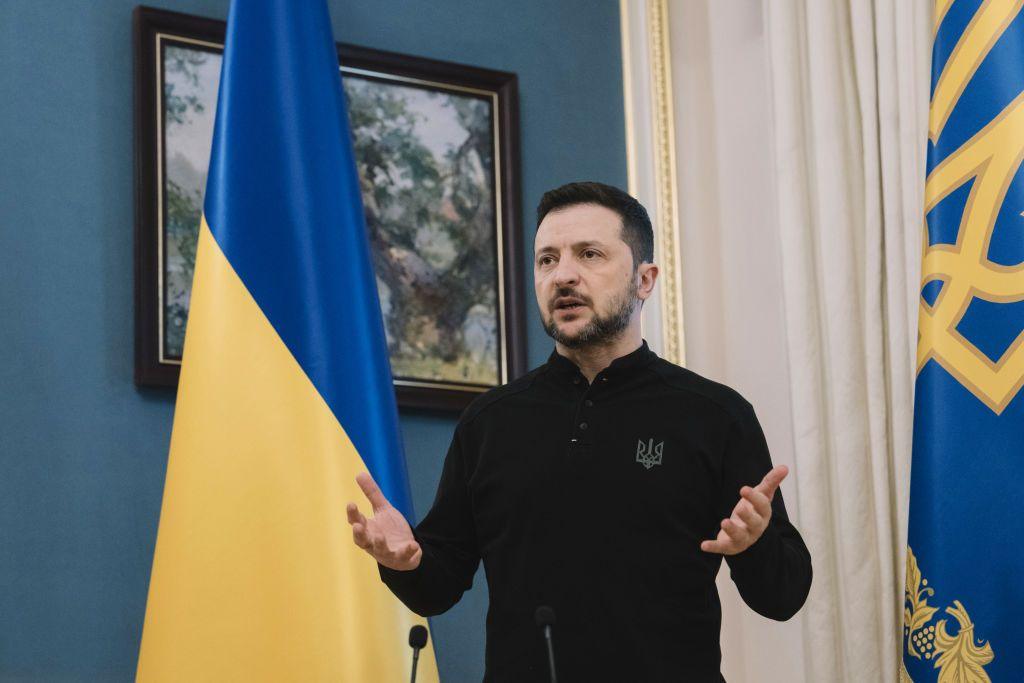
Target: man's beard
<point>601,329</point>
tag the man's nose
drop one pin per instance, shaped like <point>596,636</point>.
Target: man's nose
<point>566,273</point>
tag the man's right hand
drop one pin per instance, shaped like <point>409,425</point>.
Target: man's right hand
<point>387,537</point>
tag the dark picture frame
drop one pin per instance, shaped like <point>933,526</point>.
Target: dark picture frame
<point>467,353</point>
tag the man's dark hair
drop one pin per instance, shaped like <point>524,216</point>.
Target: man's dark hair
<point>636,224</point>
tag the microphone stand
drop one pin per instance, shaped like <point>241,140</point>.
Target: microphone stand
<point>551,653</point>
<point>417,641</point>
<point>545,617</point>
<point>415,661</point>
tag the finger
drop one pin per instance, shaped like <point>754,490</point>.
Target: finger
<point>735,522</point>
<point>359,536</point>
<point>380,547</point>
<point>413,559</point>
<point>770,484</point>
<point>354,515</point>
<point>409,552</point>
<point>734,531</point>
<point>722,545</point>
<point>371,491</point>
<point>746,512</point>
<point>714,547</point>
<point>761,503</point>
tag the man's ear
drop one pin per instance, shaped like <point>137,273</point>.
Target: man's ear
<point>648,273</point>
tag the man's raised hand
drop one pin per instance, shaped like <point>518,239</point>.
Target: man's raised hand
<point>387,537</point>
<point>749,518</point>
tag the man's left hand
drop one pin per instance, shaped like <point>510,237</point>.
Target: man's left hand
<point>749,518</point>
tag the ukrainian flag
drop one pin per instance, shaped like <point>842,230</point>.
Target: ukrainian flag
<point>964,599</point>
<point>285,391</point>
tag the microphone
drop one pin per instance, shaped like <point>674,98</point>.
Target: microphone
<point>417,641</point>
<point>545,618</point>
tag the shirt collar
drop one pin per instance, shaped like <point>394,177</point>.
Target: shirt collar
<point>621,365</point>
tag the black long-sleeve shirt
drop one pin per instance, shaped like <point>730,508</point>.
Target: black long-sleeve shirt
<point>593,499</point>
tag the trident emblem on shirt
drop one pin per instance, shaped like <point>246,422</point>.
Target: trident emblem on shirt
<point>649,454</point>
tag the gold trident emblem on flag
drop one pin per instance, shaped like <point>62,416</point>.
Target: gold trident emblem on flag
<point>990,159</point>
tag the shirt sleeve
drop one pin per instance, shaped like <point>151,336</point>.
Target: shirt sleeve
<point>774,574</point>
<point>447,537</point>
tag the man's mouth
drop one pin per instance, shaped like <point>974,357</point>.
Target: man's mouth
<point>569,305</point>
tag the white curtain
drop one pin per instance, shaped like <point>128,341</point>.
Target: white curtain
<point>801,153</point>
<point>731,271</point>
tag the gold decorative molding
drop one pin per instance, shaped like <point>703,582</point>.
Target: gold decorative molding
<point>666,180</point>
<point>652,156</point>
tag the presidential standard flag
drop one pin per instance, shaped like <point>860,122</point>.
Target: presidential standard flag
<point>964,600</point>
<point>285,391</point>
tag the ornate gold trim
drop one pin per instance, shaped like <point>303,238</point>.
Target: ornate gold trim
<point>667,231</point>
<point>960,658</point>
<point>650,155</point>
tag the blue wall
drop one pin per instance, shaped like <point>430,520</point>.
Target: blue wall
<point>82,451</point>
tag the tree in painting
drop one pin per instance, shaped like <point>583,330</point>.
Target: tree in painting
<point>430,214</point>
<point>190,93</point>
<point>425,160</point>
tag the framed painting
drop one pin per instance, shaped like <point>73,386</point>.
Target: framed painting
<point>436,148</point>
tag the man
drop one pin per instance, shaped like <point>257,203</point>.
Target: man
<point>607,484</point>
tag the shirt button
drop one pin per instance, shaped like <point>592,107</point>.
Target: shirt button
<point>588,403</point>
<point>575,380</point>
<point>604,379</point>
<point>583,425</point>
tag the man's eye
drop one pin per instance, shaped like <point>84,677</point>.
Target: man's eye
<point>589,254</point>
<point>544,260</point>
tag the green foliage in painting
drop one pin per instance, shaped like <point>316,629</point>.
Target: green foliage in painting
<point>425,161</point>
<point>430,220</point>
<point>185,96</point>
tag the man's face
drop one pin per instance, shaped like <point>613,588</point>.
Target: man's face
<point>583,275</point>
